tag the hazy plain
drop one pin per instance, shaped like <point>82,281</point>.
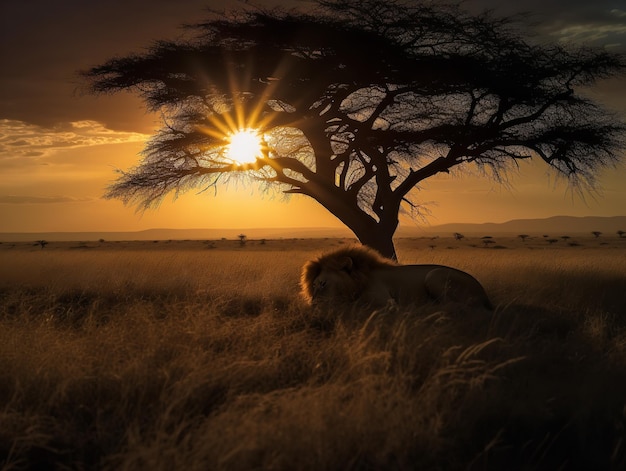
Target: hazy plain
<point>201,355</point>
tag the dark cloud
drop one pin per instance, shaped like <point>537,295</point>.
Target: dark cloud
<point>18,143</point>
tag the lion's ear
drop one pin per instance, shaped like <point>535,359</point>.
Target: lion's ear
<point>346,264</point>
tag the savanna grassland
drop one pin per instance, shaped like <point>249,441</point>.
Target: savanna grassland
<point>201,356</point>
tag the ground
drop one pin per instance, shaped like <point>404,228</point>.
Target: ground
<point>201,355</point>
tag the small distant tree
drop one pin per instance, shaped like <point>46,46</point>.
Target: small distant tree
<point>552,241</point>
<point>596,234</point>
<point>565,238</point>
<point>42,243</point>
<point>523,237</point>
<point>621,234</point>
<point>458,236</point>
<point>242,239</point>
<point>488,241</point>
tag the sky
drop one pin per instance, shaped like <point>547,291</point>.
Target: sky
<point>60,147</point>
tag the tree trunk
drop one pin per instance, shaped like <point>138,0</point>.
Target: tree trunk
<point>379,240</point>
<point>371,233</point>
<point>374,234</point>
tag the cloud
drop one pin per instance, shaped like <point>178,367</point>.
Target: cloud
<point>13,199</point>
<point>23,144</point>
<point>598,22</point>
<point>613,35</point>
<point>18,134</point>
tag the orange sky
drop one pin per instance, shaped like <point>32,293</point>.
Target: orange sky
<point>58,150</point>
<point>61,189</point>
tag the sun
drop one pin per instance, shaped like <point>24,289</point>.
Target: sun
<point>244,147</point>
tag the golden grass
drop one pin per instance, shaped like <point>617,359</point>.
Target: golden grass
<point>206,359</point>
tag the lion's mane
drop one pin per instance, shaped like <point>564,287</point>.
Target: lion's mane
<point>357,260</point>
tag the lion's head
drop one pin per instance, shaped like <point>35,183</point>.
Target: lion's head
<point>341,275</point>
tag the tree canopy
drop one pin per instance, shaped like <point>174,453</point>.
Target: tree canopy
<point>360,101</point>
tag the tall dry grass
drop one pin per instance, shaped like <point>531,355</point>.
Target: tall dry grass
<point>208,360</point>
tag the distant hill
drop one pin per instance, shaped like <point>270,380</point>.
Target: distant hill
<point>555,226</point>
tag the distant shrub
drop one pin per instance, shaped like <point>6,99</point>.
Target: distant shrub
<point>41,243</point>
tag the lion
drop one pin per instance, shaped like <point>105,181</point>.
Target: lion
<point>360,274</point>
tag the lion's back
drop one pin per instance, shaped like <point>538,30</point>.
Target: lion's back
<point>405,284</point>
<point>416,284</point>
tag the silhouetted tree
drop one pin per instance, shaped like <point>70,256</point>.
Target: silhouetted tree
<point>596,234</point>
<point>42,243</point>
<point>361,101</point>
<point>242,239</point>
<point>552,241</point>
<point>621,234</point>
<point>523,237</point>
<point>458,236</point>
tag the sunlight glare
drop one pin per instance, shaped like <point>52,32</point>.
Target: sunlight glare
<point>244,147</point>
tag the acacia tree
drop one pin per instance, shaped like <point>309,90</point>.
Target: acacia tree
<point>358,102</point>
